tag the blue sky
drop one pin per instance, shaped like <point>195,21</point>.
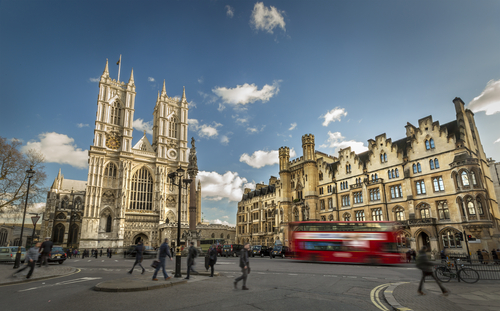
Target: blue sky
<point>258,75</point>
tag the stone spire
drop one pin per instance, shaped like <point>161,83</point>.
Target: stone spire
<point>131,80</point>
<point>183,94</point>
<point>105,73</point>
<point>164,90</point>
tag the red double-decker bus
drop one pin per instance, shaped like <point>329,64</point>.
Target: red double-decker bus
<point>370,242</point>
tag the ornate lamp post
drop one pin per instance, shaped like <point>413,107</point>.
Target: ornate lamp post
<point>34,219</point>
<point>29,174</point>
<point>179,173</point>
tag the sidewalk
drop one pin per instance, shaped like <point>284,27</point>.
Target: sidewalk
<point>483,295</point>
<point>140,282</point>
<point>6,271</point>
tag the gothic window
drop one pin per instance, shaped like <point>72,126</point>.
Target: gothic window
<point>110,170</point>
<point>470,206</point>
<point>322,204</point>
<point>73,234</point>
<point>420,186</point>
<point>78,203</point>
<point>377,214</point>
<point>419,168</point>
<point>142,190</point>
<point>438,184</point>
<point>61,216</point>
<point>431,141</point>
<point>296,214</point>
<point>397,173</point>
<point>436,163</point>
<point>396,192</point>
<point>172,130</point>
<point>345,200</point>
<point>330,203</point>
<point>376,176</point>
<point>222,235</point>
<point>473,178</point>
<point>228,236</point>
<point>58,236</point>
<point>450,240</point>
<point>374,194</point>
<point>389,174</point>
<point>443,210</point>
<point>115,113</point>
<point>320,176</point>
<point>465,179</point>
<point>323,218</point>
<point>385,157</point>
<point>399,213</point>
<point>425,211</point>
<point>346,217</point>
<point>429,144</point>
<point>360,215</point>
<point>330,217</point>
<point>358,197</point>
<point>108,223</point>
<point>480,209</point>
<point>431,164</point>
<point>414,168</point>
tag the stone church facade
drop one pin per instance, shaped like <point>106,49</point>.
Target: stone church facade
<point>127,196</point>
<point>433,183</point>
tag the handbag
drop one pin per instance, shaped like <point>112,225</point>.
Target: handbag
<point>155,264</point>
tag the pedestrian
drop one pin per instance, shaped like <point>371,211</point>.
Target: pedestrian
<point>95,253</point>
<point>100,252</point>
<point>45,249</point>
<point>245,267</point>
<point>212,259</point>
<point>413,255</point>
<point>408,256</point>
<point>479,256</point>
<point>425,265</point>
<point>139,250</point>
<point>164,252</point>
<point>32,257</point>
<point>486,256</point>
<point>110,252</point>
<point>192,254</point>
<point>494,256</point>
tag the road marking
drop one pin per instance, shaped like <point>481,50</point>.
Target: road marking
<point>116,260</point>
<point>63,283</point>
<point>102,260</point>
<point>89,260</point>
<point>374,296</point>
<point>292,274</point>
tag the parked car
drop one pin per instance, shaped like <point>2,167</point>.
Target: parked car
<point>260,250</point>
<point>8,253</point>
<point>279,251</point>
<point>231,250</point>
<point>57,254</point>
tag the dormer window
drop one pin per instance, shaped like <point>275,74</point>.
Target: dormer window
<point>383,157</point>
<point>429,144</point>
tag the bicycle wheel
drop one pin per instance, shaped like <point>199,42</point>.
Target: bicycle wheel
<point>443,274</point>
<point>468,275</point>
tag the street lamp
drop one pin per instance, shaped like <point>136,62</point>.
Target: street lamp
<point>70,233</point>
<point>29,174</point>
<point>178,173</point>
<point>34,219</point>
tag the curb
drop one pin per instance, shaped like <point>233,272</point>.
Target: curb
<point>75,270</point>
<point>389,297</point>
<point>135,289</point>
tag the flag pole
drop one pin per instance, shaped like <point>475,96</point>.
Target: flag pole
<point>119,67</point>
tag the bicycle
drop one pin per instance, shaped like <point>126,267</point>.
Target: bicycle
<point>444,273</point>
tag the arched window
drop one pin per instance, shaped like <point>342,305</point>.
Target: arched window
<point>419,168</point>
<point>228,236</point>
<point>431,141</point>
<point>360,215</point>
<point>443,211</point>
<point>397,173</point>
<point>382,157</point>
<point>425,211</point>
<point>330,217</point>
<point>431,164</point>
<point>427,145</point>
<point>436,163</point>
<point>110,170</point>
<point>296,214</point>
<point>399,213</point>
<point>470,206</point>
<point>473,178</point>
<point>222,235</point>
<point>480,209</point>
<point>172,130</point>
<point>108,223</point>
<point>346,217</point>
<point>376,176</point>
<point>392,173</point>
<point>389,174</point>
<point>78,203</point>
<point>465,178</point>
<point>323,218</point>
<point>115,113</point>
<point>377,214</point>
<point>73,234</point>
<point>385,157</point>
<point>450,239</point>
<point>414,168</point>
<point>58,236</point>
<point>213,235</point>
<point>142,190</point>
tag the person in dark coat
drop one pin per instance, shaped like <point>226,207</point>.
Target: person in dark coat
<point>413,255</point>
<point>164,253</point>
<point>139,250</point>
<point>192,254</point>
<point>45,249</point>
<point>212,259</point>
<point>100,252</point>
<point>408,255</point>
<point>425,265</point>
<point>494,255</point>
<point>245,266</point>
<point>479,256</point>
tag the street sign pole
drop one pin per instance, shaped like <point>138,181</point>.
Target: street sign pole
<point>467,244</point>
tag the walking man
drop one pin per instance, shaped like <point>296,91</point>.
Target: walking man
<point>245,266</point>
<point>192,254</point>
<point>212,259</point>
<point>164,252</point>
<point>425,265</point>
<point>100,252</point>
<point>45,249</point>
<point>139,249</point>
<point>32,257</point>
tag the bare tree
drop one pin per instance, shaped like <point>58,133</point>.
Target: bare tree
<point>13,180</point>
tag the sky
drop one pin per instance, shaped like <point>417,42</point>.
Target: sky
<point>258,76</point>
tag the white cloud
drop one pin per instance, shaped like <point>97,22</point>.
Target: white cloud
<point>266,19</point>
<point>225,217</point>
<point>80,125</point>
<point>94,79</point>
<point>333,115</point>
<point>293,125</point>
<point>200,80</point>
<point>247,93</point>
<point>253,130</point>
<point>261,158</point>
<point>15,140</point>
<point>192,104</point>
<point>221,107</point>
<point>59,148</point>
<point>204,130</point>
<point>220,222</point>
<point>241,121</point>
<point>497,141</point>
<point>142,126</point>
<point>488,100</point>
<point>229,11</point>
<point>151,79</point>
<point>336,141</point>
<point>216,187</point>
<point>224,139</point>
<point>209,98</point>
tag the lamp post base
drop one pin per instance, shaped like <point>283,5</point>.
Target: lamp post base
<point>178,266</point>
<point>17,262</point>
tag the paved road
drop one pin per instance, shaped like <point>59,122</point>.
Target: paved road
<point>275,284</point>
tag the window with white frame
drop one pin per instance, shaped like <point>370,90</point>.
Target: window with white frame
<point>465,178</point>
<point>360,215</point>
<point>330,203</point>
<point>443,211</point>
<point>425,211</point>
<point>420,187</point>
<point>374,194</point>
<point>377,214</point>
<point>322,204</point>
<point>358,197</point>
<point>470,206</point>
<point>438,184</point>
<point>345,200</point>
<point>399,213</point>
<point>396,192</point>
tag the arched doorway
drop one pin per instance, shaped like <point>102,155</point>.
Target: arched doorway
<point>424,240</point>
<point>141,237</point>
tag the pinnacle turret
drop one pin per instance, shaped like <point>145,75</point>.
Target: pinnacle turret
<point>164,90</point>
<point>105,73</point>
<point>183,94</point>
<point>131,80</point>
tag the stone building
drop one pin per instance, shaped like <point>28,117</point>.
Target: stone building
<point>434,182</point>
<point>127,196</point>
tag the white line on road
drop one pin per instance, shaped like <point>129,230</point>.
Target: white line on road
<point>292,274</point>
<point>64,283</point>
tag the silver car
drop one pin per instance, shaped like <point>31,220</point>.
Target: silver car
<point>8,253</point>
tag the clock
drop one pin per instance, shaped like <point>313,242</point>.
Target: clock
<point>113,143</point>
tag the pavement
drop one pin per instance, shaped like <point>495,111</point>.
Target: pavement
<point>7,270</point>
<point>483,295</point>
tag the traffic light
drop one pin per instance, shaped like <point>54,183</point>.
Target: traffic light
<point>470,238</point>
<point>459,236</point>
